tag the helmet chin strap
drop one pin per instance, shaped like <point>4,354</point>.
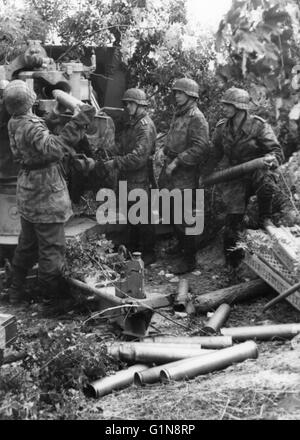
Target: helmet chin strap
<point>236,111</point>
<point>136,110</point>
<point>238,118</point>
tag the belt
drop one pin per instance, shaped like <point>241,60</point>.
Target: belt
<point>169,153</point>
<point>37,166</point>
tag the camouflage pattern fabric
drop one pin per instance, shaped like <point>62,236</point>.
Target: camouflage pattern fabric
<point>101,136</point>
<point>188,141</point>
<point>42,194</point>
<point>136,146</point>
<point>43,243</point>
<point>255,138</point>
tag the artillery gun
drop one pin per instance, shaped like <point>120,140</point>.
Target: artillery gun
<point>72,82</point>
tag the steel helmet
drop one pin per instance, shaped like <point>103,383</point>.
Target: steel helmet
<point>3,84</point>
<point>18,97</point>
<point>188,86</point>
<point>135,95</point>
<point>238,97</point>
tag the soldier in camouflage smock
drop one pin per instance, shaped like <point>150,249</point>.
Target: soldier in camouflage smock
<point>42,196</point>
<point>131,162</point>
<point>239,138</point>
<point>186,149</point>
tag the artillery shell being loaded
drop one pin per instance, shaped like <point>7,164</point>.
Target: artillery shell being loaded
<point>119,380</point>
<point>204,341</point>
<point>150,353</point>
<point>220,316</point>
<point>193,367</point>
<point>66,99</point>
<point>262,332</point>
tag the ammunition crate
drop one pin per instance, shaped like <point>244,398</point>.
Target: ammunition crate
<point>267,266</point>
<point>8,330</point>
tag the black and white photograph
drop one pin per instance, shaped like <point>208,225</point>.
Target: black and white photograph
<point>150,213</point>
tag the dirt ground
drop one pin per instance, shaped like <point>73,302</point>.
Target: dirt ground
<point>65,352</point>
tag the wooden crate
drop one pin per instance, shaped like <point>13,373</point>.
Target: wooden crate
<point>8,329</point>
<point>271,270</point>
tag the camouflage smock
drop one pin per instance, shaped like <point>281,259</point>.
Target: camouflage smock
<point>255,138</point>
<point>42,194</point>
<point>136,146</point>
<point>188,141</point>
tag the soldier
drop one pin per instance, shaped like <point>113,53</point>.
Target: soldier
<point>137,144</point>
<point>238,138</point>
<point>186,149</point>
<point>42,197</point>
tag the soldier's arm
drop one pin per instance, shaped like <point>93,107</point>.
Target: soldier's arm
<point>139,156</point>
<point>269,142</point>
<point>49,146</point>
<point>116,149</point>
<point>199,140</point>
<point>55,146</point>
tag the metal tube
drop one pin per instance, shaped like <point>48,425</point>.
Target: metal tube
<point>193,367</point>
<point>183,287</point>
<point>220,316</point>
<point>152,375</point>
<point>155,344</point>
<point>204,341</point>
<point>89,289</point>
<point>234,172</point>
<point>119,380</point>
<point>283,295</point>
<point>152,353</point>
<point>262,331</point>
<point>66,99</point>
<point>182,295</point>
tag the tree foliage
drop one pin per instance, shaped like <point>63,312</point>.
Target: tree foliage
<point>17,25</point>
<point>261,41</point>
<point>258,42</point>
<point>262,38</point>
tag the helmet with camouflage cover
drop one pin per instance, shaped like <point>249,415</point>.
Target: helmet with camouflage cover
<point>188,86</point>
<point>238,97</point>
<point>135,95</point>
<point>18,97</point>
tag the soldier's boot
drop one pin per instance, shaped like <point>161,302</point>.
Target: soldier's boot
<point>176,248</point>
<point>186,264</point>
<point>132,239</point>
<point>57,289</point>
<point>16,292</point>
<point>233,227</point>
<point>147,239</point>
<point>149,257</point>
<point>188,261</point>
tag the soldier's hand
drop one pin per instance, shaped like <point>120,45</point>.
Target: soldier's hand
<point>171,167</point>
<point>271,161</point>
<point>85,115</point>
<point>59,109</point>
<point>83,164</point>
<point>109,165</point>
